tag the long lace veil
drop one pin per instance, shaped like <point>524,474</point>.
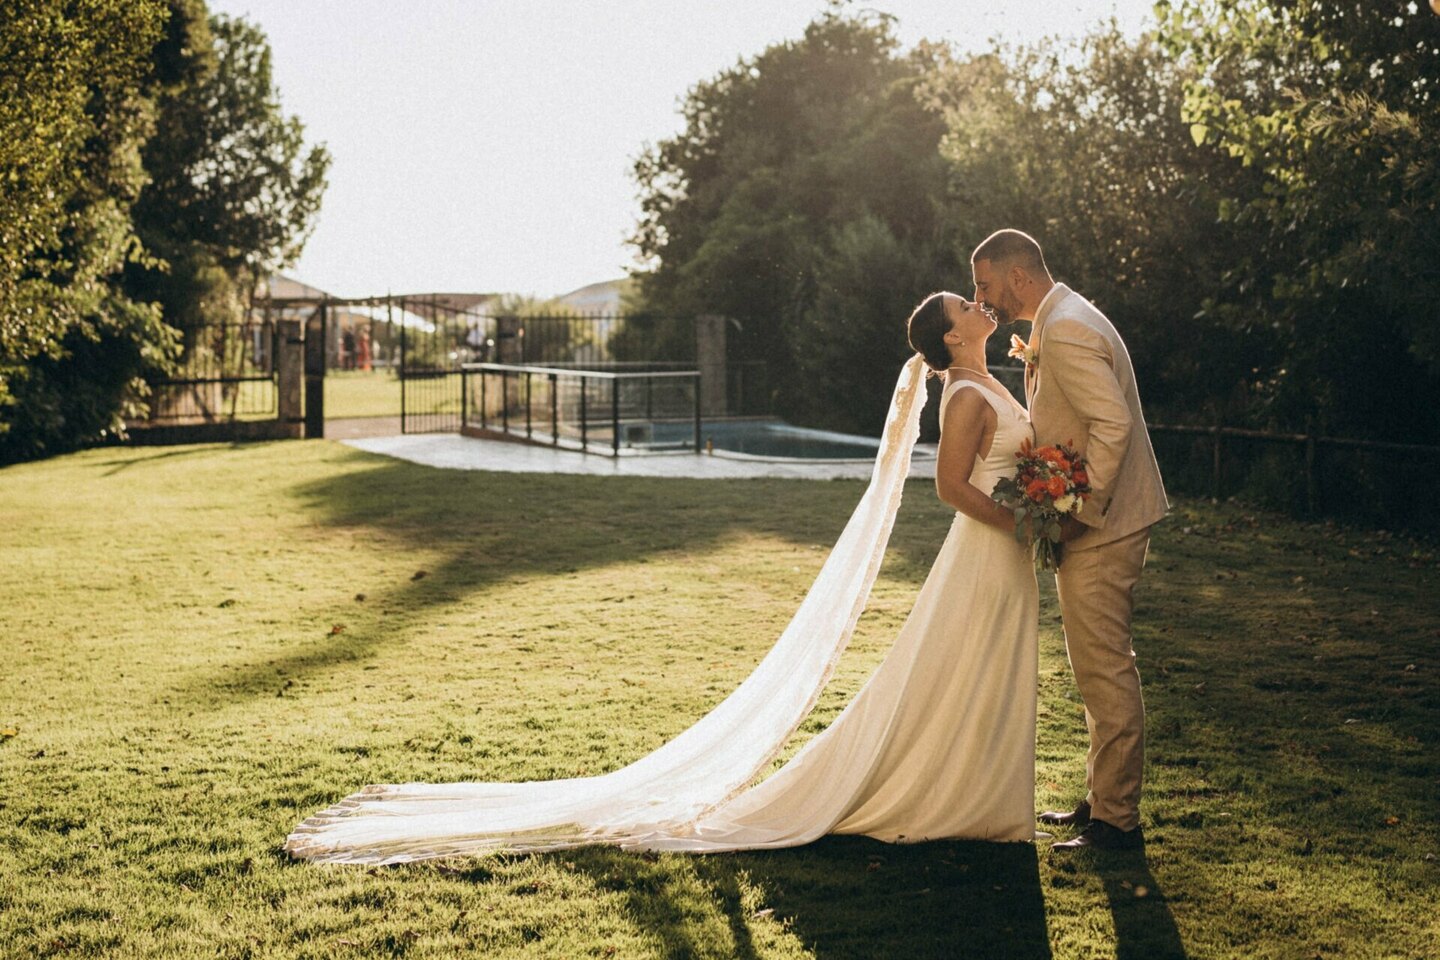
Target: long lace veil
<point>671,789</point>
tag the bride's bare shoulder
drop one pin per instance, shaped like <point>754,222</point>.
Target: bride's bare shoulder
<point>964,405</point>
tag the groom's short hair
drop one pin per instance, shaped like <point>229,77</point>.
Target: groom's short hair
<point>1011,247</point>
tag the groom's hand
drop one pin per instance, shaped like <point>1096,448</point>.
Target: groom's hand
<point>1070,528</point>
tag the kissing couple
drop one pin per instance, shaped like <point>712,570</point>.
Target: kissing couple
<point>940,741</point>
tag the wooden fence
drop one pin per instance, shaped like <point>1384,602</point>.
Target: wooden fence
<point>1306,474</point>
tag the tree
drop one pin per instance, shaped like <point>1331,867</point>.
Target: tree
<point>1335,107</point>
<point>1087,150</point>
<point>74,109</point>
<point>147,174</point>
<point>233,192</point>
<point>813,154</point>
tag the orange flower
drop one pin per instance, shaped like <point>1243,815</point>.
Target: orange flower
<point>1056,486</point>
<point>1036,490</point>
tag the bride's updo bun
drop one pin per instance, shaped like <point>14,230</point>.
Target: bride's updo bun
<point>926,328</point>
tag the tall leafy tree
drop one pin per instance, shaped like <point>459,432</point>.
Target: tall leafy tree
<point>233,189</point>
<point>1336,108</point>
<point>796,168</point>
<point>74,110</point>
<point>1087,150</point>
<point>145,173</point>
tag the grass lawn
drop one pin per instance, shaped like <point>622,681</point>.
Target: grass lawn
<point>368,393</point>
<point>205,644</point>
<point>376,393</point>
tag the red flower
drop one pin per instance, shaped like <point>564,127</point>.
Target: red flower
<point>1056,486</point>
<point>1081,478</point>
<point>1036,490</point>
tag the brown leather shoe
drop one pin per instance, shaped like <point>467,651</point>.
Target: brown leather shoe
<point>1099,835</point>
<point>1079,817</point>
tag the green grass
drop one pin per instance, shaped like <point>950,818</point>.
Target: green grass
<point>376,393</point>
<point>205,644</point>
<point>370,393</point>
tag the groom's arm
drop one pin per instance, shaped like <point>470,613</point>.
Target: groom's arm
<point>1077,359</point>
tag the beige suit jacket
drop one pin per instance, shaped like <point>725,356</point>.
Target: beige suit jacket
<point>1082,390</point>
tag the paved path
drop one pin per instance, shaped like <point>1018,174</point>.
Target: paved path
<point>455,452</point>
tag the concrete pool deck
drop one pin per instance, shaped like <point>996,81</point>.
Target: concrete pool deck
<point>454,452</point>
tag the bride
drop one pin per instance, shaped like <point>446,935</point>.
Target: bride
<point>939,743</point>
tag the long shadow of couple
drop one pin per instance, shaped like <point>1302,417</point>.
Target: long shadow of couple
<point>852,897</point>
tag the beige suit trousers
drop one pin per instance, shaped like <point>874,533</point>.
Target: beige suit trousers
<point>1097,598</point>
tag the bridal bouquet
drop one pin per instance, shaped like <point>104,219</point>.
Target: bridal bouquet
<point>1050,483</point>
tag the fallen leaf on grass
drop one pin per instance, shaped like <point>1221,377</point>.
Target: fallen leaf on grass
<point>9,732</point>
<point>1142,891</point>
<point>763,914</point>
<point>1391,820</point>
<point>337,629</point>
<point>419,575</point>
<point>359,598</point>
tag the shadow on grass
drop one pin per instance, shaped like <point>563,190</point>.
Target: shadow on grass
<point>493,527</point>
<point>1144,927</point>
<point>843,898</point>
<point>125,463</point>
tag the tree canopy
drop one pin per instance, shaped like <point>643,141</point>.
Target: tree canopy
<point>146,172</point>
<point>1245,190</point>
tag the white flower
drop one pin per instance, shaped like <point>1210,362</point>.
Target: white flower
<point>1066,503</point>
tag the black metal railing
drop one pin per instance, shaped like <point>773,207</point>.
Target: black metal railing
<point>584,409</point>
<point>226,372</point>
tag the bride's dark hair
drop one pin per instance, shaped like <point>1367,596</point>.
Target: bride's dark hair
<point>926,328</point>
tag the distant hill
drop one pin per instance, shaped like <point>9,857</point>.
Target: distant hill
<point>605,297</point>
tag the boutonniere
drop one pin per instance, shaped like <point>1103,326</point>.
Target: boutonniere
<point>1022,351</point>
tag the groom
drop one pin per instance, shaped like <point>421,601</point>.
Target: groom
<point>1080,389</point>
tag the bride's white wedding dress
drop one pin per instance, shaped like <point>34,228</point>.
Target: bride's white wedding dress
<point>940,742</point>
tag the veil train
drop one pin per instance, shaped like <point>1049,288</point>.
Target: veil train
<point>668,791</point>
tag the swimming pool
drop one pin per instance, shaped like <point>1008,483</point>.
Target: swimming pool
<point>767,439</point>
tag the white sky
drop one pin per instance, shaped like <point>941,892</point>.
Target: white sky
<point>486,145</point>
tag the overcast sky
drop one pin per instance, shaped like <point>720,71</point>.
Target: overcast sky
<point>486,145</point>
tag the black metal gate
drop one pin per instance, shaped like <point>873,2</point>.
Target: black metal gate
<point>432,342</point>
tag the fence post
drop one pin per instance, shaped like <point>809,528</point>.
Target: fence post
<point>484,414</point>
<point>1312,489</point>
<point>528,430</point>
<point>696,381</point>
<point>505,400</point>
<point>615,417</point>
<point>315,334</point>
<point>710,361</point>
<point>464,397</point>
<point>554,410</point>
<point>403,347</point>
<point>584,437</point>
<point>290,370</point>
<point>1215,466</point>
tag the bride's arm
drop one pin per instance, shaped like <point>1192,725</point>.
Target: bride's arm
<point>968,418</point>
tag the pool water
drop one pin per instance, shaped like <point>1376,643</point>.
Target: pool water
<point>761,438</point>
